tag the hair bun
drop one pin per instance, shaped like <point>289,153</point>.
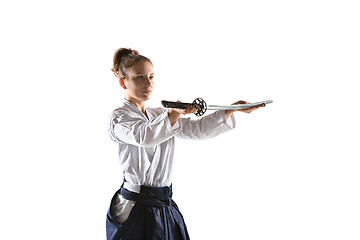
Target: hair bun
<point>124,52</point>
<point>134,52</point>
<point>128,51</point>
<point>125,58</point>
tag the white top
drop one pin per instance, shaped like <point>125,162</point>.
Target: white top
<point>146,146</point>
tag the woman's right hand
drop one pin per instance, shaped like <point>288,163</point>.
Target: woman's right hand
<point>175,113</point>
<point>188,110</point>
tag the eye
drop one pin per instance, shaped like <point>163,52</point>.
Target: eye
<point>139,77</point>
<point>151,77</point>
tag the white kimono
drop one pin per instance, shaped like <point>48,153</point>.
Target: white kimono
<point>146,146</point>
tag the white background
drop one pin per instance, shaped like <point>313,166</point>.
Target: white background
<point>288,171</point>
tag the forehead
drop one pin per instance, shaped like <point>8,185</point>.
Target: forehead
<point>141,68</point>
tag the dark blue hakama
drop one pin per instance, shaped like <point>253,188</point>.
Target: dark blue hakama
<point>155,216</point>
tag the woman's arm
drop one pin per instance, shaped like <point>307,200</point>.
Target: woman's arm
<point>206,127</point>
<point>213,124</point>
<point>126,128</point>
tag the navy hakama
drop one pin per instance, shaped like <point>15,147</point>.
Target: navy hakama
<point>155,216</point>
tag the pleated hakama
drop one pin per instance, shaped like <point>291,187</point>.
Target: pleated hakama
<point>155,216</point>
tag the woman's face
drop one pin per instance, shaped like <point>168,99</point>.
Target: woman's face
<point>139,82</point>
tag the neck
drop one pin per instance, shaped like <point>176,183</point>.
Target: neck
<point>139,104</point>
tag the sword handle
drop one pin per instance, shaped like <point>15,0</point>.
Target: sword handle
<point>169,104</point>
<point>199,103</point>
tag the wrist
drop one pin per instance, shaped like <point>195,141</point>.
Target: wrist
<point>228,113</point>
<point>173,116</point>
<point>174,112</point>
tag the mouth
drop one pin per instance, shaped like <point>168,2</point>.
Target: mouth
<point>147,91</point>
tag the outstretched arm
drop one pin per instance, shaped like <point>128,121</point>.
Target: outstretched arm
<point>206,127</point>
<point>125,127</point>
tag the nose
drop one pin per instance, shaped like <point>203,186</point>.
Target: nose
<point>148,80</point>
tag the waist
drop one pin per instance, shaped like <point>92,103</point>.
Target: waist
<point>152,196</point>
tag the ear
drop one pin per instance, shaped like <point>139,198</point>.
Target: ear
<point>122,82</point>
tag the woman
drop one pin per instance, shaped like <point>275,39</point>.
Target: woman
<point>142,208</point>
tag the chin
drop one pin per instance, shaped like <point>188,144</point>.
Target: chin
<point>145,98</point>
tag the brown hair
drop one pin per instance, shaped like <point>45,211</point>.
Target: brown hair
<point>124,58</point>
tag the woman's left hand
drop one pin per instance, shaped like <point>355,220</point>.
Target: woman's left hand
<point>250,109</point>
<point>228,113</point>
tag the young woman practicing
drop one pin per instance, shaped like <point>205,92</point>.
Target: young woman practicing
<point>143,208</point>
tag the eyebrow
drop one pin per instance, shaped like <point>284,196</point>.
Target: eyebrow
<point>143,73</point>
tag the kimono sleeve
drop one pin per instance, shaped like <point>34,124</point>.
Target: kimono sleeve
<point>136,130</point>
<point>207,127</point>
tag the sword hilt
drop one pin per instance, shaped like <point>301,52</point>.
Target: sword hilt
<point>199,103</point>
<point>169,104</point>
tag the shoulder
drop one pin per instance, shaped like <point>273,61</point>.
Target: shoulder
<point>122,112</point>
<point>125,108</point>
<point>119,111</point>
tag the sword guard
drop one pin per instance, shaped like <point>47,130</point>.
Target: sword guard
<point>201,105</point>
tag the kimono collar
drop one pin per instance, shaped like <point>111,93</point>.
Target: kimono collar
<point>131,105</point>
